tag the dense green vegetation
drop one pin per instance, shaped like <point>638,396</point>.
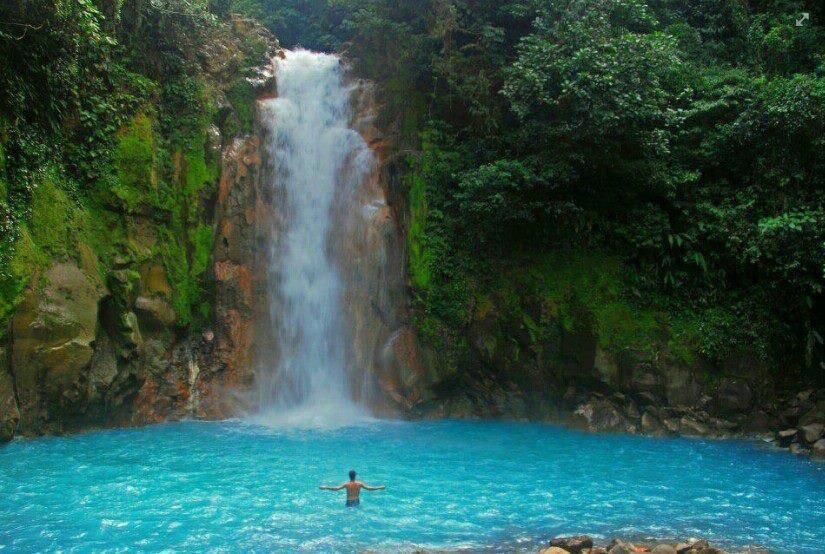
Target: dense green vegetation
<point>679,142</point>
<point>652,170</point>
<point>104,109</point>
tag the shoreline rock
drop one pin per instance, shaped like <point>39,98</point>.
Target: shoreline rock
<point>585,545</point>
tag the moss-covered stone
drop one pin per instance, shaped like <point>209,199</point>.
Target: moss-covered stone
<point>9,416</point>
<point>54,331</point>
<point>135,162</point>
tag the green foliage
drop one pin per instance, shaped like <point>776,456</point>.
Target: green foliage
<point>135,162</point>
<point>680,139</point>
<point>420,257</point>
<point>102,130</point>
<point>241,95</point>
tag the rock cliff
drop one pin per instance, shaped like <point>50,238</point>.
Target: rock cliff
<point>108,330</point>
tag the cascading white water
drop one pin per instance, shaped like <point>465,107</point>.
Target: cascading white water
<point>316,160</point>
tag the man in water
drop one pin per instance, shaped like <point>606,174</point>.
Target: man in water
<point>353,489</point>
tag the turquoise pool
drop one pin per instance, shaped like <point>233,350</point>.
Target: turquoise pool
<point>234,486</point>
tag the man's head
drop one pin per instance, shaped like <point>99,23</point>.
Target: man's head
<point>352,475</point>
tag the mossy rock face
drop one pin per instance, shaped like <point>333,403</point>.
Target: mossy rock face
<point>135,162</point>
<point>9,416</point>
<point>54,331</point>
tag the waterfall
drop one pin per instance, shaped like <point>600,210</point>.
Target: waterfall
<point>318,163</point>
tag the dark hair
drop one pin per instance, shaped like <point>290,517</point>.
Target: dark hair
<point>352,475</point>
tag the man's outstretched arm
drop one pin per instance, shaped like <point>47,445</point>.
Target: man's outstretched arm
<point>378,488</point>
<point>328,488</point>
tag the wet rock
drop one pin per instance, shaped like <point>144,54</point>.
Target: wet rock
<point>652,426</point>
<point>213,141</point>
<point>155,312</point>
<point>691,546</point>
<point>798,449</point>
<point>664,549</point>
<point>647,399</point>
<point>790,417</point>
<point>645,381</point>
<point>691,427</point>
<point>554,550</point>
<point>818,450</point>
<point>812,432</point>
<point>681,387</point>
<point>404,374</point>
<point>786,437</point>
<point>53,334</point>
<point>9,416</point>
<point>759,421</point>
<point>805,397</point>
<point>622,547</point>
<point>733,396</point>
<point>574,545</point>
<point>599,414</point>
<point>814,414</point>
<point>103,370</point>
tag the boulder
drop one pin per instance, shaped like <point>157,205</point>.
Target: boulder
<point>652,426</point>
<point>645,398</point>
<point>733,396</point>
<point>573,545</point>
<point>818,450</point>
<point>621,547</point>
<point>644,381</point>
<point>814,414</point>
<point>9,416</point>
<point>664,549</point>
<point>599,414</point>
<point>786,437</point>
<point>690,546</point>
<point>812,432</point>
<point>804,397</point>
<point>671,424</point>
<point>760,421</point>
<point>553,550</point>
<point>53,333</point>
<point>691,427</point>
<point>155,312</point>
<point>798,449</point>
<point>681,387</point>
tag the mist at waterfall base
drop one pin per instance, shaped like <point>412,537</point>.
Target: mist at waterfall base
<point>318,162</point>
<point>237,487</point>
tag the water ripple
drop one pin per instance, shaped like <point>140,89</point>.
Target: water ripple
<point>232,486</point>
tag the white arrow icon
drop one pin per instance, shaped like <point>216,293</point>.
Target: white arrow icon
<point>804,16</point>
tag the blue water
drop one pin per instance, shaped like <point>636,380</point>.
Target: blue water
<point>232,486</point>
